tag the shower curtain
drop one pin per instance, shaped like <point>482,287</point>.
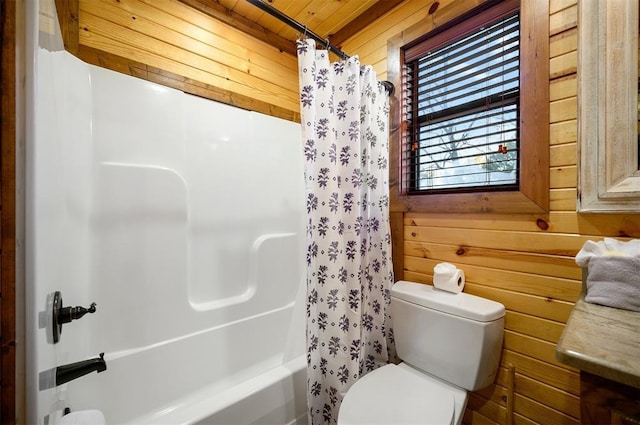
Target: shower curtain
<point>345,117</point>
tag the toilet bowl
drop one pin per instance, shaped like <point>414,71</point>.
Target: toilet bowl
<point>449,344</point>
<point>399,394</point>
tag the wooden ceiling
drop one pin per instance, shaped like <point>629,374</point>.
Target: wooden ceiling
<point>336,20</point>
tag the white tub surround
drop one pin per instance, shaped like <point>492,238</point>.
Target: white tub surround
<point>181,218</point>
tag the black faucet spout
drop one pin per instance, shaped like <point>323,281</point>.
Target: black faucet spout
<point>71,371</point>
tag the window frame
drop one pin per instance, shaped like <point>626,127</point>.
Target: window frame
<point>533,193</point>
<point>415,54</point>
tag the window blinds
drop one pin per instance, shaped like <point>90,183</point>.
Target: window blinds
<point>462,111</point>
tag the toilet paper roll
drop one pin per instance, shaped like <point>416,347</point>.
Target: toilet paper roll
<point>450,282</point>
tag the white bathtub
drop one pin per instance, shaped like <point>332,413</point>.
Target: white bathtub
<point>183,220</point>
<point>277,396</point>
<point>193,379</point>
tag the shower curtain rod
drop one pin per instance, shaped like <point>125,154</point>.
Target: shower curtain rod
<point>307,32</point>
<point>297,25</point>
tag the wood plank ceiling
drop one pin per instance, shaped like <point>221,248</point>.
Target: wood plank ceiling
<point>336,20</point>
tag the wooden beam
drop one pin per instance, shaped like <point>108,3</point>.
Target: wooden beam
<point>216,10</point>
<point>9,79</point>
<point>364,20</point>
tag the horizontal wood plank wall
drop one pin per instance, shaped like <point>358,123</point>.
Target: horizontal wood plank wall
<point>173,44</point>
<point>525,262</point>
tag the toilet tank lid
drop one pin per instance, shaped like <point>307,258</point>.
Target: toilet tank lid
<point>462,304</point>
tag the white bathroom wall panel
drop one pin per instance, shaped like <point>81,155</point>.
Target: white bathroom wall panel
<point>58,180</point>
<point>180,217</point>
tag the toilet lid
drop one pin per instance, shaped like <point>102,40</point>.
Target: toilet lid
<point>392,395</point>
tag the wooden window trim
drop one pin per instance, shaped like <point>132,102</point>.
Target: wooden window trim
<point>533,195</point>
<point>464,25</point>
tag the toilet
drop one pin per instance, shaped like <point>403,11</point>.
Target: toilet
<point>448,343</point>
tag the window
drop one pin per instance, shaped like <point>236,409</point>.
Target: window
<point>475,113</point>
<point>462,115</point>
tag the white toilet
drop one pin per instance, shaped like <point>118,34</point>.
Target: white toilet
<point>449,344</point>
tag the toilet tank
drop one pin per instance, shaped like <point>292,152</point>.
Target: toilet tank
<point>455,337</point>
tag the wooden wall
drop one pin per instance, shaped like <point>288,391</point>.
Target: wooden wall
<point>9,78</point>
<point>525,262</point>
<point>176,45</point>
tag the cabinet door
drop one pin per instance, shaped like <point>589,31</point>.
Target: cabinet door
<point>619,418</point>
<point>606,402</point>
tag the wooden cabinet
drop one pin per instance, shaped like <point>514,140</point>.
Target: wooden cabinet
<point>607,402</point>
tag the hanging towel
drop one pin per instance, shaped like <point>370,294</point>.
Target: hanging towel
<point>613,273</point>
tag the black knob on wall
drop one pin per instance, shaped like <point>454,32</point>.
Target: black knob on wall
<point>63,315</point>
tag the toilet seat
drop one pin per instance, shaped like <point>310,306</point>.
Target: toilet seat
<point>394,395</point>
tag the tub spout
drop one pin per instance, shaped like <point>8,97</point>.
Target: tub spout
<point>71,371</point>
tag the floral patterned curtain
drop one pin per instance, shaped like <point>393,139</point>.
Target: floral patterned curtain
<point>345,118</point>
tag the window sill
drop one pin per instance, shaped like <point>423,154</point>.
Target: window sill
<point>478,202</point>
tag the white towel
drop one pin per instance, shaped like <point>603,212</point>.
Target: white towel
<point>607,247</point>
